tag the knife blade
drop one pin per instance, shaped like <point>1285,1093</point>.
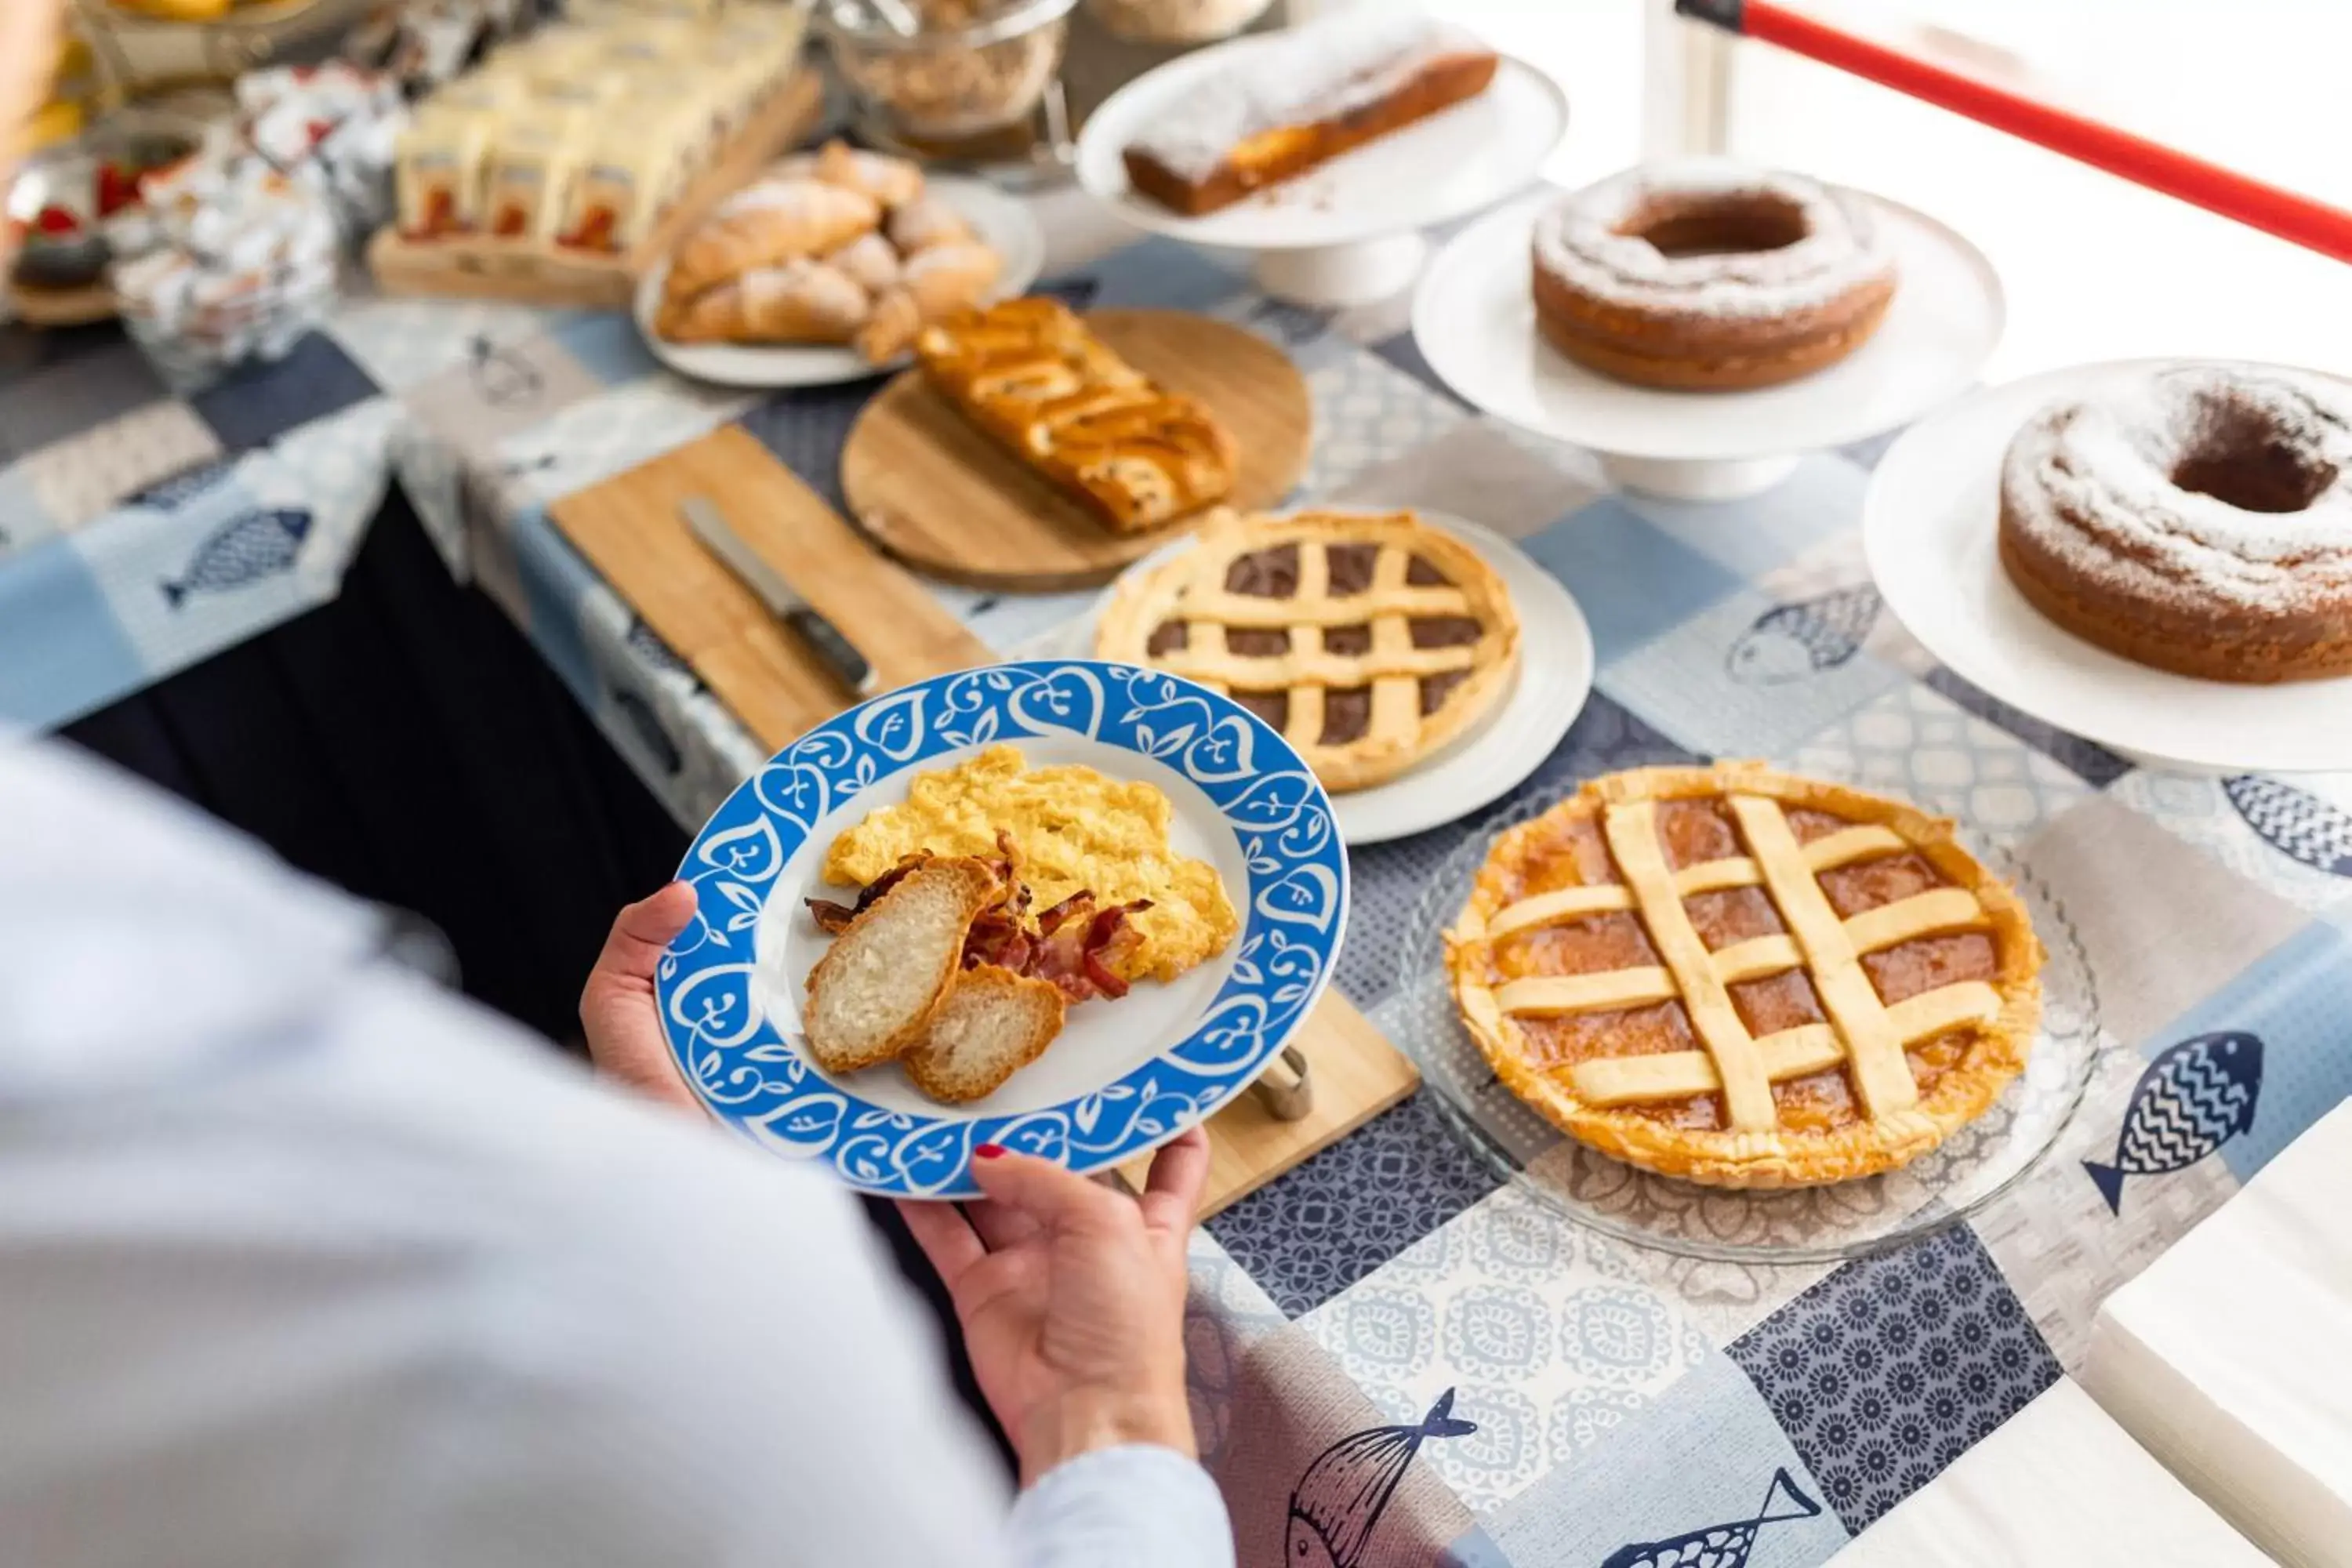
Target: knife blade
<point>711,527</point>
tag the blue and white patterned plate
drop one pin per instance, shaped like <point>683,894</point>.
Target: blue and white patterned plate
<point>1125,1076</point>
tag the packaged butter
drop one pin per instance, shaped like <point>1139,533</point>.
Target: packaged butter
<point>437,173</point>
<point>529,172</point>
<point>628,177</point>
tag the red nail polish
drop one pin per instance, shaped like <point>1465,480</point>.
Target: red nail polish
<point>987,1151</point>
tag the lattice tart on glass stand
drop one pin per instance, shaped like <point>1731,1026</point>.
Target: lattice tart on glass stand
<point>1745,978</point>
<point>1368,640</point>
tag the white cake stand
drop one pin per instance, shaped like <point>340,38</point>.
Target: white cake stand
<point>1474,319</point>
<point>1930,526</point>
<point>1348,232</point>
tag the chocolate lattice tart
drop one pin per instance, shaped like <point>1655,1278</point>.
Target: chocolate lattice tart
<point>1744,978</point>
<point>1368,640</point>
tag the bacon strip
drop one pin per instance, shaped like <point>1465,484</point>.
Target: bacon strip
<point>833,918</point>
<point>1078,946</point>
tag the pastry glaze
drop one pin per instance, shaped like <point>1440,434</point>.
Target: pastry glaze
<point>1907,960</point>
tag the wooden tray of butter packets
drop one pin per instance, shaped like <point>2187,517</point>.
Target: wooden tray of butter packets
<point>536,272</point>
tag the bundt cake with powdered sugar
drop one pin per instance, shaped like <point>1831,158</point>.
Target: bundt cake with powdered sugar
<point>2196,518</point>
<point>1704,274</point>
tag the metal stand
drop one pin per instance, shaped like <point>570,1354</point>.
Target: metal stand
<point>1286,1088</point>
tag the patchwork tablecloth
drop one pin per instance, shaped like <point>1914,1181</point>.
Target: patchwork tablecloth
<point>1398,1355</point>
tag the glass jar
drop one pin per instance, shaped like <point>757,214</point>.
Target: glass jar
<point>972,69</point>
<point>1175,21</point>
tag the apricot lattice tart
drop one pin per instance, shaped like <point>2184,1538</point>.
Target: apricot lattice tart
<point>1744,978</point>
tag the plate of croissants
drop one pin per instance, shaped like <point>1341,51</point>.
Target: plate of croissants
<point>825,268</point>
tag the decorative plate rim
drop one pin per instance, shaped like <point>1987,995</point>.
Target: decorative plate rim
<point>752,1077</point>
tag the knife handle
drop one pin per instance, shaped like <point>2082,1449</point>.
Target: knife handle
<point>835,649</point>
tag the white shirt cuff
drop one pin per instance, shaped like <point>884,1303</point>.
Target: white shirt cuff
<point>1140,1505</point>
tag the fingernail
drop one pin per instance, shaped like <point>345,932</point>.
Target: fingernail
<point>987,1151</point>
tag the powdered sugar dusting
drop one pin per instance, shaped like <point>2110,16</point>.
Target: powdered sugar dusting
<point>1317,72</point>
<point>800,197</point>
<point>2090,481</point>
<point>1578,243</point>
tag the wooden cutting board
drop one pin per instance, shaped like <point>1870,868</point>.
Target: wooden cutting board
<point>950,500</point>
<point>1357,1074</point>
<point>629,529</point>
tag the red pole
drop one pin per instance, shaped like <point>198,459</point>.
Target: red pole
<point>2271,208</point>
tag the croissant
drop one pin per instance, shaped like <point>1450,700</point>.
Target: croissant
<point>869,259</point>
<point>925,224</point>
<point>802,301</point>
<point>767,225</point>
<point>936,283</point>
<point>893,181</point>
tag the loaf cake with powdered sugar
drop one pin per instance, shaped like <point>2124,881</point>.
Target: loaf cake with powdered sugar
<point>1301,101</point>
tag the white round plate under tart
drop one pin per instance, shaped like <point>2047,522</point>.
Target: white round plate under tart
<point>1005,225</point>
<point>1452,164</point>
<point>1126,1075</point>
<point>1519,730</point>
<point>1930,526</point>
<point>1474,319</point>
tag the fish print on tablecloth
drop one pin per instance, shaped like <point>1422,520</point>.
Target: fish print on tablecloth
<point>255,544</point>
<point>504,377</point>
<point>1724,1546</point>
<point>649,645</point>
<point>2194,1097</point>
<point>1340,1498</point>
<point>1789,642</point>
<point>1290,325</point>
<point>2296,824</point>
<point>175,491</point>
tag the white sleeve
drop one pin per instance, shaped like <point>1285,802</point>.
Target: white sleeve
<point>304,1261</point>
<point>1137,1507</point>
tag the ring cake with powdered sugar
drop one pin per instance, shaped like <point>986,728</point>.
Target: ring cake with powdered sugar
<point>1704,274</point>
<point>2197,520</point>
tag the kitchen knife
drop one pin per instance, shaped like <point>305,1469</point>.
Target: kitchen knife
<point>710,525</point>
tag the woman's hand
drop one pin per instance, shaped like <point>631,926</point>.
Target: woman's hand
<point>1071,1294</point>
<point>618,1011</point>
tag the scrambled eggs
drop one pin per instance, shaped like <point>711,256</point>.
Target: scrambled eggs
<point>1073,829</point>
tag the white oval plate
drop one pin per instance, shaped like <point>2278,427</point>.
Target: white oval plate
<point>1454,162</point>
<point>1930,525</point>
<point>1005,225</point>
<point>1474,318</point>
<point>1546,694</point>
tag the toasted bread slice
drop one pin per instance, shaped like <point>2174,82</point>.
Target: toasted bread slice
<point>871,993</point>
<point>993,1024</point>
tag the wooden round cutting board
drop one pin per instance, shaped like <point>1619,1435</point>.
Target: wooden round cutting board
<point>944,496</point>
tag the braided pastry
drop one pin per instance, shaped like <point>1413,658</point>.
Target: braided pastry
<point>1030,373</point>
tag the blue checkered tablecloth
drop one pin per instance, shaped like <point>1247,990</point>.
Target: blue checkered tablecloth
<point>1550,1396</point>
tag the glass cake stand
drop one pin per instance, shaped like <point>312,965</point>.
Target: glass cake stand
<point>1799,1225</point>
